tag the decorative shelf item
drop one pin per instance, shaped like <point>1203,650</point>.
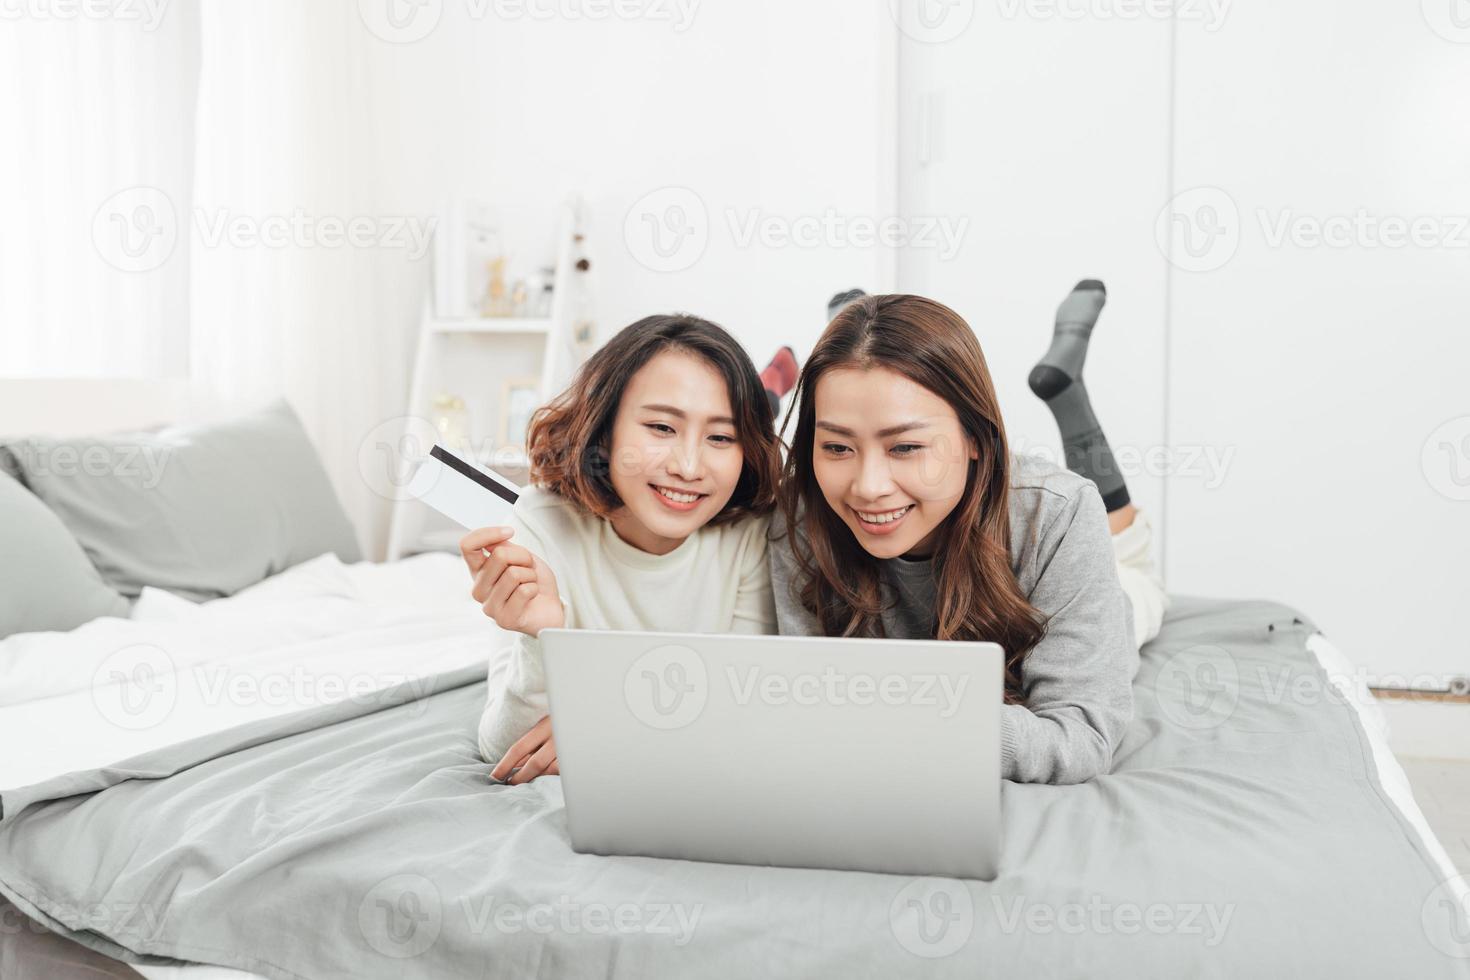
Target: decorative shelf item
<point>478,378</point>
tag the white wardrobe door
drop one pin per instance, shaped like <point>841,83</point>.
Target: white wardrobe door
<point>1045,140</point>
<point>1321,322</point>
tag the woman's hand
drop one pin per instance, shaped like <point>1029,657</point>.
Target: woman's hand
<point>515,587</point>
<point>533,754</point>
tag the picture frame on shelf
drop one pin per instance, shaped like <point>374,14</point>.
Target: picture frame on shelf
<point>518,402</point>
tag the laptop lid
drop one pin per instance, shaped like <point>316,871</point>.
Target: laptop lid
<point>854,754</point>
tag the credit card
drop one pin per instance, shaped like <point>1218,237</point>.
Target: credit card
<point>466,494</point>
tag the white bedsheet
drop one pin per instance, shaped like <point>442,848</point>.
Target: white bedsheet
<point>311,635</point>
<point>314,634</point>
<point>1354,688</point>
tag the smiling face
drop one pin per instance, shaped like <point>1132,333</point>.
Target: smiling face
<point>675,454</point>
<point>891,458</point>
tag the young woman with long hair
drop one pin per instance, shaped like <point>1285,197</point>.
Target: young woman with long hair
<point>906,515</point>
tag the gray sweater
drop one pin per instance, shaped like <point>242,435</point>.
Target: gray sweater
<point>1077,682</point>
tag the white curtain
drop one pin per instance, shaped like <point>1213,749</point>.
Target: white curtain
<point>286,140</point>
<point>96,140</point>
<point>173,196</point>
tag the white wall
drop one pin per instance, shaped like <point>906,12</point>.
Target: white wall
<point>757,109</point>
<point>1326,368</point>
<point>1050,138</point>
<point>1312,398</point>
<point>762,108</point>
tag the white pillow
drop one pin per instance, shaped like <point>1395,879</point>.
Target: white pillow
<point>201,511</point>
<point>46,581</point>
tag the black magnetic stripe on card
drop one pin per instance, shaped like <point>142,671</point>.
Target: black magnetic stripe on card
<point>465,469</point>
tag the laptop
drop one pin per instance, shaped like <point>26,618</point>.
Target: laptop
<point>850,754</point>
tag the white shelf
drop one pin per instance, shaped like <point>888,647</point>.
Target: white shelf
<point>510,349</point>
<point>494,325</point>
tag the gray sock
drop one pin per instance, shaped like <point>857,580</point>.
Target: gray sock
<point>1057,380</point>
<point>836,304</point>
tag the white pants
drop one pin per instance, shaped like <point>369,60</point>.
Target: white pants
<point>1133,547</point>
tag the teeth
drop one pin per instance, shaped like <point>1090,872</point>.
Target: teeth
<point>886,517</point>
<point>678,498</point>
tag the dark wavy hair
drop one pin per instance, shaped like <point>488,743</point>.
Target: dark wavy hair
<point>569,438</point>
<point>977,596</point>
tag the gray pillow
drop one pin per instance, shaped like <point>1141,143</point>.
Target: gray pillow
<point>201,511</point>
<point>46,581</point>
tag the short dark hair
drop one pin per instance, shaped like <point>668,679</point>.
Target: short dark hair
<point>569,438</point>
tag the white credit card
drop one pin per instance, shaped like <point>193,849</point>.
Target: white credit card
<point>464,493</point>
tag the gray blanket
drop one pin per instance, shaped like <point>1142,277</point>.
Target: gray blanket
<point>1242,832</point>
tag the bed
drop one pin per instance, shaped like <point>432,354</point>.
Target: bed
<point>1369,859</point>
<point>299,795</point>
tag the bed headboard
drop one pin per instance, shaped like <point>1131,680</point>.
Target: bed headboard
<point>89,406</point>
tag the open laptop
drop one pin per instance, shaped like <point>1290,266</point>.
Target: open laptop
<point>861,755</point>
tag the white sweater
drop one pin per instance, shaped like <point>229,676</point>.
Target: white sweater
<point>717,581</point>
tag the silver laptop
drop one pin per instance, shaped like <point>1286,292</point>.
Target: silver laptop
<point>861,755</point>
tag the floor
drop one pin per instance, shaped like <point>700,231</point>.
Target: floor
<point>1442,789</point>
